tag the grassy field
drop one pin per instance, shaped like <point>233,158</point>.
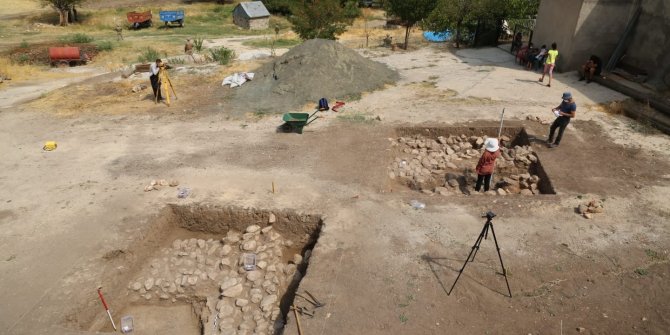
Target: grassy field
<point>40,27</point>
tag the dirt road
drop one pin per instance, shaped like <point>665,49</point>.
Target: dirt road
<point>379,265</point>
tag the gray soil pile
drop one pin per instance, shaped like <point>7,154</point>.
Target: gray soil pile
<point>310,71</point>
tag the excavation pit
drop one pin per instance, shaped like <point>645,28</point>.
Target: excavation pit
<point>187,275</point>
<point>442,160</point>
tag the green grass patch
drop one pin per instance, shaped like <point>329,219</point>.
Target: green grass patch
<point>267,43</point>
<point>76,38</point>
<point>641,271</point>
<point>105,45</point>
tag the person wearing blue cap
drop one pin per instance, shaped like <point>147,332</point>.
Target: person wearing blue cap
<point>564,112</point>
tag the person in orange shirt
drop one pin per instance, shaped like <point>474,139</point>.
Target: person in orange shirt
<point>550,63</point>
<point>486,164</point>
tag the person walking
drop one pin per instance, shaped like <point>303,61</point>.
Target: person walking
<point>155,80</point>
<point>564,112</point>
<point>550,63</point>
<point>486,164</point>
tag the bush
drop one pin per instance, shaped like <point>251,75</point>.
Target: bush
<point>77,38</point>
<point>105,46</point>
<point>222,55</point>
<point>149,55</point>
<point>197,43</point>
<point>24,44</point>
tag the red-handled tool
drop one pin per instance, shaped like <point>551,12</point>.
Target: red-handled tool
<point>106,308</point>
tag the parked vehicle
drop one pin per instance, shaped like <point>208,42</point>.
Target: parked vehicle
<point>139,20</point>
<point>172,17</point>
<point>67,56</point>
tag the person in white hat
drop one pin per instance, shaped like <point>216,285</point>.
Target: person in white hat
<point>486,164</point>
<point>564,112</point>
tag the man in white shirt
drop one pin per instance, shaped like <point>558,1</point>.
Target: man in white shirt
<point>155,81</point>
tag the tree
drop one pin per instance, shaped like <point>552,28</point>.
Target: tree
<point>410,12</point>
<point>320,18</point>
<point>64,8</point>
<point>452,14</point>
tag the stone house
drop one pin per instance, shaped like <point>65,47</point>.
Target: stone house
<point>251,15</point>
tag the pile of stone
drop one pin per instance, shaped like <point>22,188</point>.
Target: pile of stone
<point>446,164</point>
<point>538,119</point>
<point>592,207</point>
<point>239,301</point>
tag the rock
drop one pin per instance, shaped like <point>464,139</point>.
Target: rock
<point>505,138</point>
<point>148,284</point>
<point>228,282</point>
<point>596,209</point>
<point>249,245</point>
<point>138,88</point>
<point>526,192</point>
<point>297,259</point>
<point>253,229</point>
<point>581,329</point>
<point>148,296</point>
<point>268,302</point>
<point>490,192</point>
<point>581,209</point>
<point>442,190</point>
<point>254,275</point>
<point>233,291</point>
<point>587,215</point>
<point>452,183</point>
<point>501,191</point>
<point>137,286</point>
<point>225,309</point>
<point>225,250</point>
<point>266,229</point>
<point>164,296</point>
<point>452,166</point>
<point>241,302</point>
<point>525,176</point>
<point>201,243</point>
<point>192,280</point>
<point>262,265</point>
<point>290,269</point>
<point>256,298</point>
<point>173,183</point>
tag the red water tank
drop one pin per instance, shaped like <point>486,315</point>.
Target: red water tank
<point>64,53</point>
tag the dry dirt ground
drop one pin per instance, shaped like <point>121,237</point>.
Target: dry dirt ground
<point>380,266</point>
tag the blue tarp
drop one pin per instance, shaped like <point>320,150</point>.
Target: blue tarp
<point>441,36</point>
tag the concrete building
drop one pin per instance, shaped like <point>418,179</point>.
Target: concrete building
<point>251,15</point>
<point>585,27</point>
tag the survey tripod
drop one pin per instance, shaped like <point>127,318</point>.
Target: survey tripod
<point>164,85</point>
<point>471,257</point>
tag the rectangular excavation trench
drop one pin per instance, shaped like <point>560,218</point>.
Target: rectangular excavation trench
<point>186,276</point>
<point>442,160</point>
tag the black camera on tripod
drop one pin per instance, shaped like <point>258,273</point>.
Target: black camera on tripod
<point>489,215</point>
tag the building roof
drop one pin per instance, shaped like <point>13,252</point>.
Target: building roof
<point>254,9</point>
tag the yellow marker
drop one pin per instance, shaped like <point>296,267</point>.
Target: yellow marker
<point>49,146</point>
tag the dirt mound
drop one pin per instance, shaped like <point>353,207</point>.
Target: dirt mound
<point>315,69</point>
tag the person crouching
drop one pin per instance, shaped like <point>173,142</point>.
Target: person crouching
<point>486,164</point>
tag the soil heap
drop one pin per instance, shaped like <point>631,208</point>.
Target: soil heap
<point>315,69</point>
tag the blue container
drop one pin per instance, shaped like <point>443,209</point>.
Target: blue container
<point>172,17</point>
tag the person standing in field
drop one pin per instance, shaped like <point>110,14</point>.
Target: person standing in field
<point>550,63</point>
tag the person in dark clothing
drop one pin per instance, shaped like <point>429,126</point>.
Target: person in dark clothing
<point>564,112</point>
<point>155,80</point>
<point>593,67</point>
<point>486,164</point>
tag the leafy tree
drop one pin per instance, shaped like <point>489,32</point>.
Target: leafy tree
<point>452,14</point>
<point>65,9</point>
<point>320,18</point>
<point>410,12</point>
<point>282,7</point>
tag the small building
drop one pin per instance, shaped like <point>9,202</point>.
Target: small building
<point>251,15</point>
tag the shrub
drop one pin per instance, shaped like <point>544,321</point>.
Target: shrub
<point>149,55</point>
<point>197,43</point>
<point>222,55</point>
<point>105,46</point>
<point>24,44</point>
